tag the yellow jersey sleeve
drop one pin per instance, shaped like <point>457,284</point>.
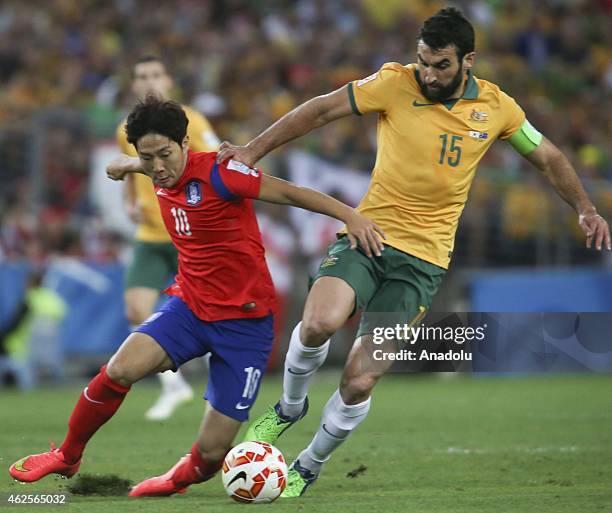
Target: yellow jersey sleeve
<point>201,135</point>
<point>378,92</point>
<point>514,115</point>
<point>122,141</point>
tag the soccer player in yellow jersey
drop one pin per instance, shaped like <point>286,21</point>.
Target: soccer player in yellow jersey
<point>436,120</point>
<point>155,258</point>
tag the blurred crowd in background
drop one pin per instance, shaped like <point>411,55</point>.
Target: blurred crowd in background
<point>65,72</point>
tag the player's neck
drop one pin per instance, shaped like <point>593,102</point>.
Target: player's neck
<point>459,92</point>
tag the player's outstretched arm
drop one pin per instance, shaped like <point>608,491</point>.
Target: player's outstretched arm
<point>310,115</point>
<point>558,170</point>
<point>123,165</point>
<point>359,228</point>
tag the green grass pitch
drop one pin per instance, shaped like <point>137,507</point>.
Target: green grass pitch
<point>467,444</point>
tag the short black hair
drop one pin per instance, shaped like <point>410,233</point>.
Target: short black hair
<point>145,59</point>
<point>154,115</point>
<point>448,26</point>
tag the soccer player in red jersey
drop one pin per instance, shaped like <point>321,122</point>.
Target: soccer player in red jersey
<point>220,302</point>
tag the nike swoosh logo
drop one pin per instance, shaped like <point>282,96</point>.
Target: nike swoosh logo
<point>291,371</point>
<point>19,465</point>
<point>240,406</point>
<point>331,434</point>
<point>86,395</point>
<point>240,475</point>
<point>417,104</point>
<point>161,192</point>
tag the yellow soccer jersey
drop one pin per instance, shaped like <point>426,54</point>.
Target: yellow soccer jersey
<point>201,138</point>
<point>427,155</point>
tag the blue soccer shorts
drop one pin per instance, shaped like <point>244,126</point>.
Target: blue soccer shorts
<point>239,350</point>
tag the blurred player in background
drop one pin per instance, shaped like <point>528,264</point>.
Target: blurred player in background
<point>155,258</point>
<point>436,121</point>
<point>222,299</point>
<point>30,341</point>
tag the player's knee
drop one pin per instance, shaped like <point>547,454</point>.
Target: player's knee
<point>357,389</point>
<point>317,327</point>
<point>119,372</point>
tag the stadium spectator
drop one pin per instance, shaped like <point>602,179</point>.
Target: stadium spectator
<point>555,64</point>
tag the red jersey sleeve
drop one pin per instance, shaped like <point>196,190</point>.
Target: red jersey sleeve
<point>233,180</point>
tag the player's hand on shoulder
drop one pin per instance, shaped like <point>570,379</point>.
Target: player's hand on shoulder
<point>244,154</point>
<point>596,229</point>
<point>365,233</point>
<point>121,166</point>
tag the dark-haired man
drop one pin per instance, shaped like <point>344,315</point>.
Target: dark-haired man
<point>221,300</point>
<point>436,121</point>
<point>154,261</point>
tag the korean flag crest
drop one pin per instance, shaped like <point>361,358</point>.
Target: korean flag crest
<point>193,192</point>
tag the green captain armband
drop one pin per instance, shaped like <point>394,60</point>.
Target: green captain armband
<point>525,139</point>
<point>351,95</point>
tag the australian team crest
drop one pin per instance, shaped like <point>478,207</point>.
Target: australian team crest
<point>479,115</point>
<point>193,192</point>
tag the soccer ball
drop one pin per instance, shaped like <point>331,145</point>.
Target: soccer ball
<point>254,472</point>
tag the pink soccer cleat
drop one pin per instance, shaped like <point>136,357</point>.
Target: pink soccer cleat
<point>161,486</point>
<point>36,466</point>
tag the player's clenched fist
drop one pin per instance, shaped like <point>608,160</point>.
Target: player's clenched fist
<point>365,233</point>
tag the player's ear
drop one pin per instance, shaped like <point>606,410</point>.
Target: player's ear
<point>185,143</point>
<point>468,60</point>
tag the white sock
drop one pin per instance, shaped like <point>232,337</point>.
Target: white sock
<point>172,381</point>
<point>301,363</point>
<point>338,422</point>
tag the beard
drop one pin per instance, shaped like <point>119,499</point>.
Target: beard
<point>441,93</point>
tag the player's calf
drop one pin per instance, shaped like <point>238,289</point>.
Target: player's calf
<point>301,363</point>
<point>357,389</point>
<point>361,373</point>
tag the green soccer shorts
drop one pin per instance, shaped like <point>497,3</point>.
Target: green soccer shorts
<point>152,266</point>
<point>393,288</point>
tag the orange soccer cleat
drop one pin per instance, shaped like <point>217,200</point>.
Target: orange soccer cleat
<point>190,469</point>
<point>36,466</point>
<point>164,485</point>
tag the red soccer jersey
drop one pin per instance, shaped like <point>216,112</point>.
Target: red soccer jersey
<point>222,271</point>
